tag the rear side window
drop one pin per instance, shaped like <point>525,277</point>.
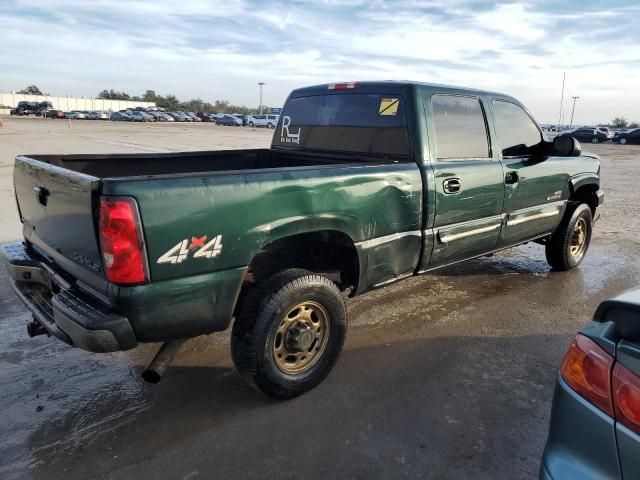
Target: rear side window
<point>516,132</point>
<point>461,131</point>
<point>346,122</point>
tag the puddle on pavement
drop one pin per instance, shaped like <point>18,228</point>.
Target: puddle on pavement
<point>56,399</point>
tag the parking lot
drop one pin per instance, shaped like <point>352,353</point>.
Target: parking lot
<point>447,375</point>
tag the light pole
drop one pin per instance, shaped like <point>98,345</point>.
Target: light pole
<point>261,85</point>
<point>564,75</point>
<point>573,109</point>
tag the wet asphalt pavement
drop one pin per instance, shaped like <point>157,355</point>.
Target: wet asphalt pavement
<point>448,375</point>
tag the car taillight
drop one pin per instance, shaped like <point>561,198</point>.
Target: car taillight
<point>121,241</point>
<point>626,397</point>
<point>587,369</point>
<point>342,86</point>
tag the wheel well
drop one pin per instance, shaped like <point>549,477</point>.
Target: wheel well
<point>328,252</point>
<point>586,194</point>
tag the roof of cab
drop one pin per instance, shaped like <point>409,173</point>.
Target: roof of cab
<point>391,87</point>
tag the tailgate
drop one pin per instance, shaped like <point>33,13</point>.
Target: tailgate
<point>58,208</point>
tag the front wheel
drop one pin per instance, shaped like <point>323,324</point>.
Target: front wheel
<point>251,124</point>
<point>568,245</point>
<point>623,141</point>
<point>289,333</point>
<point>595,140</point>
<point>270,125</point>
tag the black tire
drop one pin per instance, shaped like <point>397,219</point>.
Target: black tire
<point>558,248</point>
<point>254,332</point>
<point>269,125</point>
<point>251,124</point>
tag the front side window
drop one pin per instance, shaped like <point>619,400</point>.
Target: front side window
<point>461,131</point>
<point>516,132</point>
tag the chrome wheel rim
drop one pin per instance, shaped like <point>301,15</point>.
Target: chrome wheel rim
<point>579,238</point>
<point>301,337</point>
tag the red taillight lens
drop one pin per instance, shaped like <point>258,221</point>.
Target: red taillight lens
<point>121,241</point>
<point>626,397</point>
<point>587,369</point>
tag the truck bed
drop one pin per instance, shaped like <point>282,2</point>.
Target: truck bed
<point>150,164</point>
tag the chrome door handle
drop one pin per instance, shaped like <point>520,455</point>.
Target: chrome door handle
<point>452,185</point>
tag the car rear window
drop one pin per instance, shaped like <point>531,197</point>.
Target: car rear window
<point>350,122</point>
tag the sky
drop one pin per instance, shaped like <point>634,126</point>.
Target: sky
<point>214,49</point>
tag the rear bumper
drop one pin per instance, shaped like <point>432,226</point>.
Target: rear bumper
<point>70,315</point>
<point>582,440</point>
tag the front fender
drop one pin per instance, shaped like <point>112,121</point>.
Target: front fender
<point>584,179</point>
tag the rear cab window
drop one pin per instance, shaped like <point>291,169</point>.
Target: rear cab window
<point>460,127</point>
<point>367,123</point>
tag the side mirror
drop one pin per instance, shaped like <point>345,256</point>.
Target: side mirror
<point>566,147</point>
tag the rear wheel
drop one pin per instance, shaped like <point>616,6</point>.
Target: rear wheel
<point>568,245</point>
<point>595,140</point>
<point>251,124</point>
<point>623,141</point>
<point>289,333</point>
<point>270,125</point>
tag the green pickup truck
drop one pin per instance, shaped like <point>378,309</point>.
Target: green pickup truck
<point>365,184</point>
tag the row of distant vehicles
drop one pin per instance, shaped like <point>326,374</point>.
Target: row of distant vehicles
<point>152,115</point>
<point>587,134</point>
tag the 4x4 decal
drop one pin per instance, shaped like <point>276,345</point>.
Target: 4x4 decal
<point>199,245</point>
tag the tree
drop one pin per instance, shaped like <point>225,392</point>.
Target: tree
<point>31,90</point>
<point>634,125</point>
<point>150,96</point>
<point>113,95</point>
<point>619,122</point>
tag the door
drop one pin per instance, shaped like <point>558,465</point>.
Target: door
<point>536,185</point>
<point>469,189</point>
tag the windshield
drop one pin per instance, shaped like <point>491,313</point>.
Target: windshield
<point>353,122</point>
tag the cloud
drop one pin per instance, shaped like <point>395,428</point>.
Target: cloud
<point>221,49</point>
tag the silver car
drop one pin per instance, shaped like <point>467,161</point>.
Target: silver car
<point>76,115</point>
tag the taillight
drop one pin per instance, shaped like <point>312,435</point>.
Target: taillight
<point>342,86</point>
<point>121,241</point>
<point>587,369</point>
<point>626,396</point>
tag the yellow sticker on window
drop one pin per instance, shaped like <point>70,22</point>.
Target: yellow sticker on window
<point>389,106</point>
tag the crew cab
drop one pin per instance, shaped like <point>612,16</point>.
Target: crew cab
<point>365,184</point>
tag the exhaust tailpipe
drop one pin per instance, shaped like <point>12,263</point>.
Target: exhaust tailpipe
<point>157,367</point>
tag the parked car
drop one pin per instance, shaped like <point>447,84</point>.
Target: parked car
<point>628,136</point>
<point>269,121</point>
<point>104,267</point>
<point>244,118</point>
<point>595,415</point>
<point>140,116</point>
<point>178,117</point>
<point>187,117</point>
<point>120,117</point>
<point>592,135</point>
<point>607,131</point>
<point>157,116</point>
<point>229,120</point>
<point>55,114</point>
<point>76,115</point>
<point>97,115</point>
<point>206,117</point>
<point>31,108</point>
